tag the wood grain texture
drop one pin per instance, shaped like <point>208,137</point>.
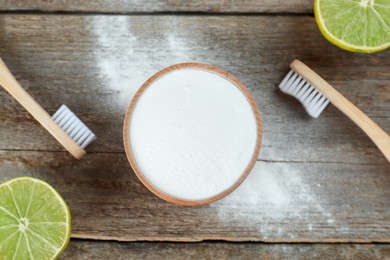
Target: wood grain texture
<point>298,202</point>
<point>95,64</point>
<point>152,6</point>
<point>113,250</point>
<point>317,181</point>
<point>331,184</point>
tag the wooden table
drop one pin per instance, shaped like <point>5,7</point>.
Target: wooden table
<point>319,189</point>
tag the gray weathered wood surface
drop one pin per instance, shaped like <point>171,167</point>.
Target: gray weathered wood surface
<point>319,180</point>
<point>158,6</point>
<point>100,61</point>
<point>337,178</point>
<point>307,202</point>
<point>113,250</point>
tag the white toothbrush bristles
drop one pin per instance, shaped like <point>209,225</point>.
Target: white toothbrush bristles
<point>296,86</point>
<point>73,126</point>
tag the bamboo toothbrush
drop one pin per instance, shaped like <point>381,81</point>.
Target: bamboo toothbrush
<point>315,94</point>
<point>65,126</point>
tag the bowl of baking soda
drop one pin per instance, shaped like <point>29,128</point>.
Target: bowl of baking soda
<point>192,133</point>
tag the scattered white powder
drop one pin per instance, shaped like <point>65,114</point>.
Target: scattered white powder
<point>115,58</point>
<point>193,134</point>
<point>273,193</point>
<point>124,62</point>
<point>265,185</point>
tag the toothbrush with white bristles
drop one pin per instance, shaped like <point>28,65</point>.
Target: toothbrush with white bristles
<point>315,94</point>
<point>65,126</point>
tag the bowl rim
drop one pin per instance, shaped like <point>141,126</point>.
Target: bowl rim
<point>127,125</point>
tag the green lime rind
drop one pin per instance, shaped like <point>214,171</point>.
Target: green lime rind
<point>35,222</point>
<point>355,25</point>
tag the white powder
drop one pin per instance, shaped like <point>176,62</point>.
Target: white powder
<point>273,193</point>
<point>114,58</point>
<point>192,134</point>
<point>266,185</point>
<point>123,61</point>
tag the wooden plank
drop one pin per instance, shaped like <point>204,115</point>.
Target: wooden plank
<point>279,202</point>
<point>94,64</point>
<point>152,6</point>
<point>79,249</point>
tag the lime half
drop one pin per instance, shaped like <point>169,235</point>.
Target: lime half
<point>355,25</point>
<point>34,220</point>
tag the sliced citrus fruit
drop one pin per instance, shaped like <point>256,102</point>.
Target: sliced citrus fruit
<point>355,25</point>
<point>34,220</point>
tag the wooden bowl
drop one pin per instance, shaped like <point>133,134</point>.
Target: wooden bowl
<point>127,126</point>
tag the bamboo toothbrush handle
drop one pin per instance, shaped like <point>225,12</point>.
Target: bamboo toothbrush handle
<point>9,83</point>
<point>377,135</point>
